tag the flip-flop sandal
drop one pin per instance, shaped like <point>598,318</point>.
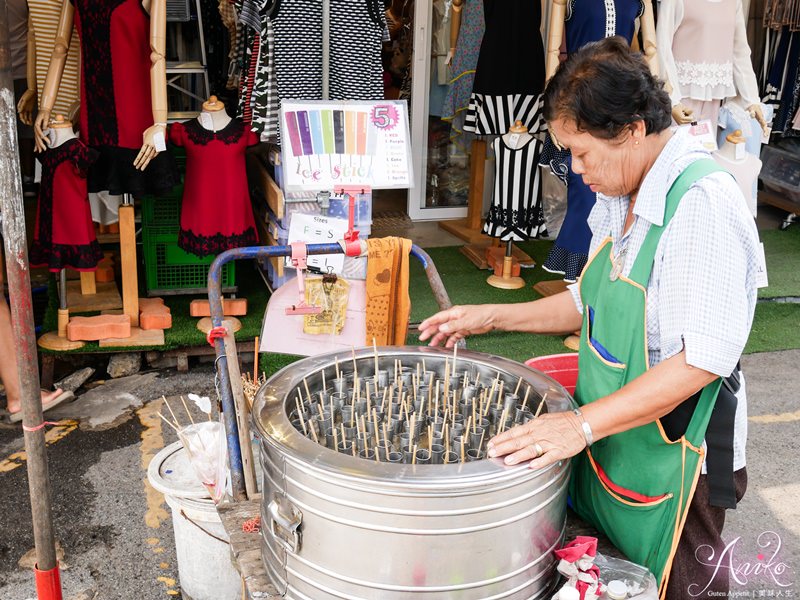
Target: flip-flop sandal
<point>63,397</point>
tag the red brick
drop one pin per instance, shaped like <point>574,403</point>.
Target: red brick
<point>155,316</point>
<point>231,307</point>
<point>101,327</point>
<point>145,303</point>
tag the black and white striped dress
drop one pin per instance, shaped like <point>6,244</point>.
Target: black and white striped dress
<point>509,77</point>
<point>516,211</point>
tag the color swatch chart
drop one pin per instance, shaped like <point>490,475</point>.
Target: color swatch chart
<point>330,144</point>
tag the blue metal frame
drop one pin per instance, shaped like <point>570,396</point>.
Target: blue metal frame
<point>215,304</point>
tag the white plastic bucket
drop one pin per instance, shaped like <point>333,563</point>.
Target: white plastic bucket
<point>201,543</point>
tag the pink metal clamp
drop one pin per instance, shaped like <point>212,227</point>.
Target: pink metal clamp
<point>299,262</point>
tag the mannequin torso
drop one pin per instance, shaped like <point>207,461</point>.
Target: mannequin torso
<point>213,117</point>
<point>60,131</point>
<point>744,166</point>
<point>517,136</point>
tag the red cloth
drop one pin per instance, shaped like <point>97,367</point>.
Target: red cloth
<point>581,545</point>
<point>64,234</point>
<point>216,214</point>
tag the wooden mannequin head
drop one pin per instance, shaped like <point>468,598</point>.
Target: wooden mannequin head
<point>213,104</point>
<point>518,127</point>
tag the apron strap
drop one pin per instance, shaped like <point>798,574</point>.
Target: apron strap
<point>640,273</point>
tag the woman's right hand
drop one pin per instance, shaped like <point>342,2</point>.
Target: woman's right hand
<point>451,325</point>
<point>41,123</point>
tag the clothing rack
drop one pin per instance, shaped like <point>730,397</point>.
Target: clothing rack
<point>782,13</point>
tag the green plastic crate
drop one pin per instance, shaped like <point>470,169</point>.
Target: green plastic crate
<point>163,213</point>
<point>171,270</point>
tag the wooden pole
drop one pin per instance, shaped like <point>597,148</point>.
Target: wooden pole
<point>242,411</point>
<point>130,276</point>
<point>19,289</point>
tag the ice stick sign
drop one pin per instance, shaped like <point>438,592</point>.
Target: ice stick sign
<point>316,229</point>
<point>331,144</point>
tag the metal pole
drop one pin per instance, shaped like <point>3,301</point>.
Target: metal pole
<point>215,306</point>
<point>48,584</point>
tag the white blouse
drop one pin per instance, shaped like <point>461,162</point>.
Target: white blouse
<point>705,65</point>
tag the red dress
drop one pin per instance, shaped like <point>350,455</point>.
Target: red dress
<point>64,235</point>
<point>115,96</point>
<point>216,214</point>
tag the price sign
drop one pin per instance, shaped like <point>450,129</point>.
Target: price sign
<point>316,229</point>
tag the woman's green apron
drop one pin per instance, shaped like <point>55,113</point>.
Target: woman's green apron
<point>635,486</point>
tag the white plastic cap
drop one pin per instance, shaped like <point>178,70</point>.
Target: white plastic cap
<point>617,590</point>
<point>569,593</point>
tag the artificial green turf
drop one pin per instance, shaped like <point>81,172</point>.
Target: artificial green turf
<point>782,249</point>
<point>184,332</point>
<point>776,325</point>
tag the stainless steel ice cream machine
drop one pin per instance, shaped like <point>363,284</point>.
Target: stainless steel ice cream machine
<point>376,483</point>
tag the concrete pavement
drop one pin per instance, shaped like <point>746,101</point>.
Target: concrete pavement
<point>117,532</point>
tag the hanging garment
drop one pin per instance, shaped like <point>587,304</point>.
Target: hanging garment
<point>64,236</point>
<point>264,97</point>
<point>356,34</point>
<point>586,21</point>
<point>516,210</point>
<point>115,97</point>
<point>703,51</point>
<point>44,16</point>
<point>465,59</point>
<point>216,214</point>
<point>509,76</point>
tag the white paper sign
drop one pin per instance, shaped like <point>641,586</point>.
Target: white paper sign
<point>328,145</point>
<point>316,229</point>
<point>706,133</point>
<point>761,275</point>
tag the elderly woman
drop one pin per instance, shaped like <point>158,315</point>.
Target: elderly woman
<point>665,307</point>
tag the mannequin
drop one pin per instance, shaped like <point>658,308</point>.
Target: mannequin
<point>516,210</point>
<point>744,166</point>
<point>504,90</point>
<point>559,14</point>
<point>216,214</point>
<point>213,116</point>
<point>112,80</point>
<point>42,22</point>
<point>64,235</point>
<point>579,22</point>
<point>705,58</point>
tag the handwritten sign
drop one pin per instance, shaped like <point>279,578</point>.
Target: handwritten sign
<point>316,229</point>
<point>326,145</point>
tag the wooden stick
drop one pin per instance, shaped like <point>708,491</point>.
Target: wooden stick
<point>255,360</point>
<point>314,434</point>
<point>455,357</point>
<point>174,418</point>
<point>336,364</point>
<point>377,430</point>
<point>300,415</point>
<point>480,444</point>
<point>525,401</point>
<point>430,440</point>
<point>375,349</point>
<point>446,437</point>
<point>516,389</point>
<point>386,440</point>
<point>324,385</point>
<point>541,406</point>
<point>463,459</point>
<point>186,408</point>
<point>414,455</point>
<point>503,420</point>
<point>355,366</point>
<point>308,393</point>
<point>168,422</point>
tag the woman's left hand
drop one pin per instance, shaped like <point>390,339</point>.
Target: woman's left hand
<point>544,440</point>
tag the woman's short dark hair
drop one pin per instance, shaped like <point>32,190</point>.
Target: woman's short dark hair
<point>604,87</point>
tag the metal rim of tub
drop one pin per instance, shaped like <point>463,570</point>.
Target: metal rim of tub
<point>272,423</point>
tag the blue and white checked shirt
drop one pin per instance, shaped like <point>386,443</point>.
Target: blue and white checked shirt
<point>702,291</point>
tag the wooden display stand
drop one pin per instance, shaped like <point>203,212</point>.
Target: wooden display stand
<point>469,229</point>
<point>58,341</point>
<point>506,272</point>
